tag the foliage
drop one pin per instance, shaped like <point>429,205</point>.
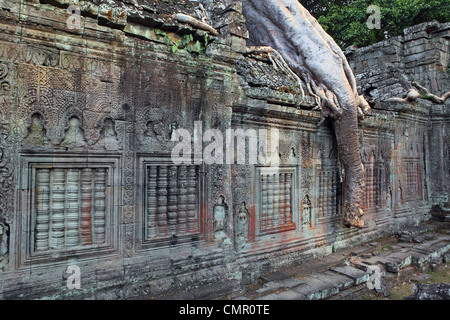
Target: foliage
<point>345,20</point>
<point>186,42</point>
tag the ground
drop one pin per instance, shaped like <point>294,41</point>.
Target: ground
<point>405,285</point>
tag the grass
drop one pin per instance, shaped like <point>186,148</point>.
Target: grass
<point>401,290</point>
<point>441,274</point>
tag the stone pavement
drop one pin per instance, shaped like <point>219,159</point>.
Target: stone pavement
<point>349,279</point>
<point>344,275</point>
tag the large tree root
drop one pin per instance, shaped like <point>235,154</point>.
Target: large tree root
<point>287,27</point>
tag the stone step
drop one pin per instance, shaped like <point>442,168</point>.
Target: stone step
<point>398,261</point>
<point>423,254</point>
<point>284,295</point>
<point>349,281</point>
<point>357,275</point>
<point>341,281</point>
<point>284,284</point>
<point>353,293</point>
<point>316,288</point>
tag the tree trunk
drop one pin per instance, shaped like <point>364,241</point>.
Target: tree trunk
<point>312,54</point>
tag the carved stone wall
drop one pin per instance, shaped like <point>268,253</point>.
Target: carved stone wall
<point>387,69</point>
<point>88,121</point>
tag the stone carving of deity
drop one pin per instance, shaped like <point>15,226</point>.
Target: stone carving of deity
<point>242,223</point>
<point>220,216</point>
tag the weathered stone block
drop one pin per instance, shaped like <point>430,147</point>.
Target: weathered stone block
<point>90,117</point>
<point>358,276</point>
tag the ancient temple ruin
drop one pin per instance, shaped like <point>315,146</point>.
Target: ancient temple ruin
<point>93,98</point>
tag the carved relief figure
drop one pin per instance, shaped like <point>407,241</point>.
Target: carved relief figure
<point>6,176</point>
<point>172,129</point>
<point>242,224</point>
<point>3,245</point>
<point>110,136</point>
<point>161,130</point>
<point>5,86</point>
<point>74,137</point>
<point>400,193</point>
<point>158,132</point>
<point>36,131</point>
<point>220,217</point>
<point>389,198</point>
<point>307,211</point>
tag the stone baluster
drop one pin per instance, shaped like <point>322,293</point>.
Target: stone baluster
<point>287,198</point>
<point>161,218</point>
<point>321,193</point>
<point>376,185</point>
<point>42,209</point>
<point>73,208</point>
<point>282,207</point>
<point>419,182</point>
<point>369,187</point>
<point>182,199</point>
<point>57,206</point>
<point>371,190</point>
<point>172,201</point>
<point>100,205</point>
<point>276,191</point>
<point>192,199</point>
<point>333,192</point>
<point>328,191</point>
<point>270,211</point>
<point>86,206</point>
<point>264,201</point>
<point>151,202</point>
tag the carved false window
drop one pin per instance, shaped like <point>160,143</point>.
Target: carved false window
<point>71,205</point>
<point>327,190</point>
<point>378,182</point>
<point>172,201</point>
<point>413,180</point>
<point>374,176</point>
<point>276,192</point>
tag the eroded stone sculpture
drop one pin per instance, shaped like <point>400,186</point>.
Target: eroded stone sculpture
<point>287,27</point>
<point>74,136</point>
<point>242,224</point>
<point>307,211</point>
<point>3,245</point>
<point>220,216</point>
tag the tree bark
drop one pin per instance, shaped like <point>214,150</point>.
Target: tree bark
<point>312,54</point>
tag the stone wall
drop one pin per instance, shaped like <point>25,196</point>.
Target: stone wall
<point>387,69</point>
<point>88,120</point>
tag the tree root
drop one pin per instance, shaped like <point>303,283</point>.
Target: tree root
<point>184,18</point>
<point>413,95</point>
<point>430,96</point>
<point>314,56</point>
<point>278,62</point>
